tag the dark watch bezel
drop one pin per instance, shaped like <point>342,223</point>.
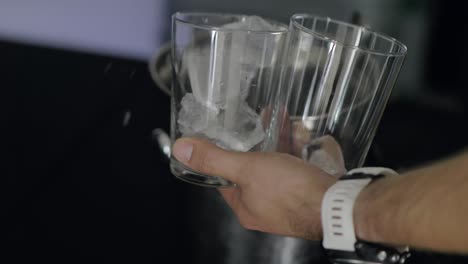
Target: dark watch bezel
<point>369,253</point>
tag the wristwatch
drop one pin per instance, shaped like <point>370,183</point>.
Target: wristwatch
<point>339,239</point>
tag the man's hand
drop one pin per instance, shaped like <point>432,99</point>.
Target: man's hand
<point>276,193</point>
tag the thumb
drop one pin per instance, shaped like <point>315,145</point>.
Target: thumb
<point>205,157</point>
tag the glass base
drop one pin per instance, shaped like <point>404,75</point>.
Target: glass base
<point>188,175</point>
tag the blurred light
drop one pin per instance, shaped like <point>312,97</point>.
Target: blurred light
<point>124,28</point>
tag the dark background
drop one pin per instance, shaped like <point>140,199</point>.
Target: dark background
<point>77,185</point>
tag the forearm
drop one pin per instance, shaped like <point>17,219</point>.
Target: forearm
<point>424,208</point>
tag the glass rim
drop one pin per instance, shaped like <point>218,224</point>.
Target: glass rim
<point>402,52</point>
<point>177,17</point>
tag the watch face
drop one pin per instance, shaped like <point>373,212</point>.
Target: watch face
<point>360,175</point>
<point>352,261</point>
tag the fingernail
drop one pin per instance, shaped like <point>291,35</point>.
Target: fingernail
<point>183,150</point>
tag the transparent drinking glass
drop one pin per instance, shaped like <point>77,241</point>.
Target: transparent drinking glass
<point>334,89</point>
<point>226,69</point>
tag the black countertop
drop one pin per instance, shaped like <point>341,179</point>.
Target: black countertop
<point>79,185</point>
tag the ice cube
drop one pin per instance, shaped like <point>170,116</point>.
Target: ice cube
<point>254,23</point>
<point>325,153</point>
<point>206,72</point>
<point>195,119</point>
<point>224,67</point>
<point>247,133</point>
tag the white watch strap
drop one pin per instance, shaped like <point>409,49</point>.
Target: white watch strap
<point>337,209</point>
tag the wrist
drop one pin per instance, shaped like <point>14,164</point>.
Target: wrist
<point>364,220</point>
<point>376,214</point>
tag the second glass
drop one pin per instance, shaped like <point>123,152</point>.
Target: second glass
<point>226,70</point>
<point>337,80</point>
